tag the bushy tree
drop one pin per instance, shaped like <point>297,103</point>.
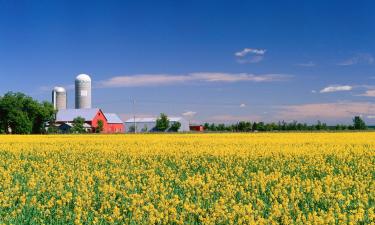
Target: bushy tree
<point>20,114</point>
<point>359,123</point>
<point>175,126</point>
<point>78,123</point>
<point>131,129</point>
<point>162,123</point>
<point>100,126</point>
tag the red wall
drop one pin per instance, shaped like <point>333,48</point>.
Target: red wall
<point>198,128</point>
<point>108,128</point>
<point>100,116</point>
<point>116,128</point>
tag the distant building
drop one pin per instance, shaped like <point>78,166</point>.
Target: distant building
<point>197,128</point>
<point>64,120</point>
<point>115,124</point>
<point>149,124</point>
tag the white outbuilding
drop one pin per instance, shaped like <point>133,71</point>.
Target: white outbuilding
<point>148,124</point>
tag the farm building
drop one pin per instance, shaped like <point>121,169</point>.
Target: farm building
<point>197,128</point>
<point>65,117</point>
<point>115,124</point>
<point>148,124</point>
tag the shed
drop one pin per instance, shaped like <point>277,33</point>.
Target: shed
<point>148,124</point>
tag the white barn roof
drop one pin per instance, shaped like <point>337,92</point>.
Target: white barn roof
<point>65,115</point>
<point>112,118</point>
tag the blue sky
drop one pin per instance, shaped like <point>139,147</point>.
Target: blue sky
<point>217,61</point>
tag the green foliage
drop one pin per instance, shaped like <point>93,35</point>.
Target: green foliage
<point>145,128</point>
<point>78,123</point>
<point>20,114</point>
<point>100,126</point>
<point>358,123</point>
<point>131,128</point>
<point>246,126</point>
<point>175,126</point>
<point>162,123</point>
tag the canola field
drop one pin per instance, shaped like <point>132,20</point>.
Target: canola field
<point>264,178</point>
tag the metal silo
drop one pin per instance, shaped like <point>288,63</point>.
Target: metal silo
<point>59,98</point>
<point>83,91</point>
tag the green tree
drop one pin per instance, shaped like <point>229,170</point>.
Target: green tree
<point>144,129</point>
<point>20,114</point>
<point>78,123</point>
<point>175,126</point>
<point>100,126</point>
<point>358,123</point>
<point>162,123</point>
<point>131,129</point>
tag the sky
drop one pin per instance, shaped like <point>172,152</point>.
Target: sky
<point>209,61</point>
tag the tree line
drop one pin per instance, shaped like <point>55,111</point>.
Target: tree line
<point>247,126</point>
<point>21,114</point>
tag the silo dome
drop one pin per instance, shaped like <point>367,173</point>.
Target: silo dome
<point>59,98</point>
<point>83,91</point>
<point>59,89</point>
<point>83,77</point>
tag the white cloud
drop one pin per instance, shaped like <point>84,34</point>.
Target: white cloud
<point>226,118</point>
<point>371,116</point>
<point>189,113</point>
<point>166,79</point>
<point>368,93</point>
<point>313,91</point>
<point>338,110</point>
<point>250,55</point>
<point>246,51</point>
<point>243,105</point>
<point>361,58</point>
<point>308,64</point>
<point>335,88</point>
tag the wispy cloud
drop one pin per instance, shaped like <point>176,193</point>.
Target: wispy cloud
<point>167,79</point>
<point>308,64</point>
<point>227,118</point>
<point>243,105</point>
<point>250,55</point>
<point>336,88</point>
<point>360,58</point>
<point>189,113</point>
<point>339,110</point>
<point>368,93</point>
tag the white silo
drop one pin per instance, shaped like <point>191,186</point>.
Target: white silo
<point>83,91</point>
<point>59,98</point>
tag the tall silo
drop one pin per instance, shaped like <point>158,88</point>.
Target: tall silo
<point>59,98</point>
<point>83,91</point>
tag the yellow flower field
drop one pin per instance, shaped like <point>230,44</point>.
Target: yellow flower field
<point>300,178</point>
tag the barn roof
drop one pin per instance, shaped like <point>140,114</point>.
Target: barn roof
<point>152,120</point>
<point>112,118</point>
<point>64,115</point>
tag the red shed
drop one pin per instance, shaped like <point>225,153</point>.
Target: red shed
<point>115,124</point>
<point>198,128</point>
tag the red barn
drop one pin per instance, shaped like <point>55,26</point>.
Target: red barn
<point>91,116</point>
<point>115,124</point>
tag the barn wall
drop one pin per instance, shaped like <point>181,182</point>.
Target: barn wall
<point>100,116</point>
<point>115,128</point>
